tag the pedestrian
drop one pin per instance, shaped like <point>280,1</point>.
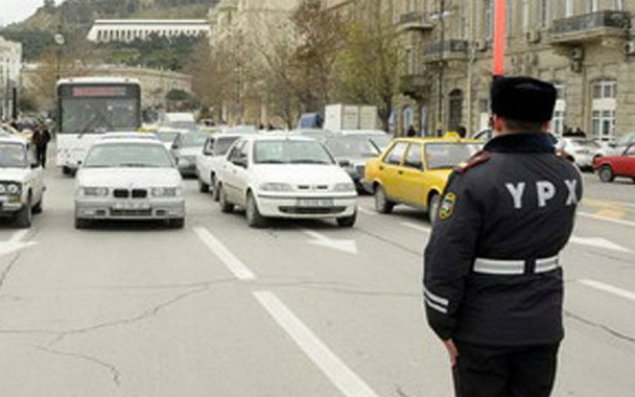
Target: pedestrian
<point>40,139</point>
<point>493,282</point>
<point>462,131</point>
<point>411,132</point>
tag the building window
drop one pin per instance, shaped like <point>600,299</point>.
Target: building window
<point>464,22</point>
<point>455,110</point>
<point>545,13</point>
<point>488,18</point>
<point>568,8</point>
<point>525,9</point>
<point>407,118</point>
<point>618,5</point>
<point>593,5</point>
<point>510,19</point>
<point>603,108</point>
<point>560,111</point>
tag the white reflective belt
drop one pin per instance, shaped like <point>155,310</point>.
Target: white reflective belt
<point>496,266</point>
<point>547,264</point>
<point>514,267</point>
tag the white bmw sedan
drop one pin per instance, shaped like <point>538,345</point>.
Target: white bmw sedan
<point>129,179</point>
<point>285,177</point>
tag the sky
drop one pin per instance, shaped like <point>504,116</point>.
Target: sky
<point>18,10</point>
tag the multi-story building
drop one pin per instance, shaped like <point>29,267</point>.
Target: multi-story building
<point>584,47</point>
<point>127,30</point>
<point>10,73</point>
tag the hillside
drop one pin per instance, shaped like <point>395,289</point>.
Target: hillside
<point>75,17</point>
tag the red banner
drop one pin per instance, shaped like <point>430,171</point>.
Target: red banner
<point>500,37</point>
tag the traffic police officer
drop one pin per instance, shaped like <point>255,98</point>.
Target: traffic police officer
<point>493,283</point>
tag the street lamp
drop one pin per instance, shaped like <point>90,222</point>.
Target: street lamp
<point>60,41</point>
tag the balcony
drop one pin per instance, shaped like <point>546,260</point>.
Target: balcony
<point>414,21</point>
<point>449,50</point>
<point>414,85</point>
<point>585,28</point>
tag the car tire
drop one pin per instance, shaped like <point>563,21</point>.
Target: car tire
<point>215,188</point>
<point>606,174</point>
<point>203,187</point>
<point>178,223</point>
<point>382,204</point>
<point>254,218</point>
<point>81,224</point>
<point>347,221</point>
<point>433,207</point>
<point>225,206</point>
<point>24,218</point>
<point>39,207</point>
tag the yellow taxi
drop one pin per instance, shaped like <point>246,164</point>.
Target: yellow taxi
<point>414,171</point>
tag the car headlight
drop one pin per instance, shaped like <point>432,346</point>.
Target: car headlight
<point>166,191</point>
<point>3,189</point>
<point>14,189</point>
<point>276,187</point>
<point>345,187</point>
<point>95,191</point>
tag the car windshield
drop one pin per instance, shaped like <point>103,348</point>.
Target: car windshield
<point>182,124</point>
<point>382,142</point>
<point>448,155</point>
<point>222,145</point>
<point>12,155</point>
<point>167,137</point>
<point>193,140</point>
<point>351,147</point>
<point>128,155</point>
<point>291,152</point>
<point>586,143</point>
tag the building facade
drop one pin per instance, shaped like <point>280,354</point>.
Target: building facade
<point>10,75</point>
<point>127,30</point>
<point>586,48</point>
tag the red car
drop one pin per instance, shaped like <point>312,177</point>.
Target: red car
<point>621,165</point>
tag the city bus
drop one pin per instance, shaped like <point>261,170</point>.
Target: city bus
<point>88,107</point>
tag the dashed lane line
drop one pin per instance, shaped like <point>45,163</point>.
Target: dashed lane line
<point>608,288</point>
<point>235,265</point>
<point>605,219</point>
<point>347,381</point>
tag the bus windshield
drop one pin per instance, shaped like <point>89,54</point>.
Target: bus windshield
<point>91,115</point>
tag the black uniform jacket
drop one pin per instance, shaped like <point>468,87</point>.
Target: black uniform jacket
<point>492,273</point>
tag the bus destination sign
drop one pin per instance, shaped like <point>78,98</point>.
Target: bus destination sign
<point>99,91</point>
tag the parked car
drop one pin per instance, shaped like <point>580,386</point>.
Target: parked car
<point>129,135</point>
<point>351,152</point>
<point>414,171</point>
<point>167,136</point>
<point>581,151</point>
<point>22,187</point>
<point>181,121</point>
<point>621,165</point>
<point>618,146</point>
<point>285,177</point>
<point>185,149</point>
<point>208,162</point>
<point>129,179</point>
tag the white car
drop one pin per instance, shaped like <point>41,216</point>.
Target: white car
<point>285,177</point>
<point>22,181</point>
<point>129,135</point>
<point>182,121</point>
<point>129,179</point>
<point>185,149</point>
<point>380,139</point>
<point>167,136</point>
<point>582,151</point>
<point>208,162</point>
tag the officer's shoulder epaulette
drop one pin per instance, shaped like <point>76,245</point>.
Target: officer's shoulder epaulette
<point>479,158</point>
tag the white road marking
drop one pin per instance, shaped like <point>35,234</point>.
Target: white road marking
<point>235,265</point>
<point>417,227</point>
<point>347,381</point>
<point>366,211</point>
<point>605,219</point>
<point>15,243</point>
<point>598,243</point>
<point>348,246</point>
<point>609,288</point>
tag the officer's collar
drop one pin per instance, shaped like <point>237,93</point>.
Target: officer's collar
<point>531,142</point>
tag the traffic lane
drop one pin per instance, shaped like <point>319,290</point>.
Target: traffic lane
<point>619,190</point>
<point>84,298</point>
<point>365,306</point>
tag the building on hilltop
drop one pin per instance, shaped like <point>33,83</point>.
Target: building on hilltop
<point>127,30</point>
<point>10,75</point>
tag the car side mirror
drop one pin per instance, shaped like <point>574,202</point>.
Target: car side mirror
<point>175,146</point>
<point>240,162</point>
<point>344,163</point>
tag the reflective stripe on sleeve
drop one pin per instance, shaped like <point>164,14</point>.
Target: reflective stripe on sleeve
<point>434,306</point>
<point>435,298</point>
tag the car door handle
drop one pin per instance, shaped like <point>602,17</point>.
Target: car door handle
<point>400,172</point>
<point>381,168</point>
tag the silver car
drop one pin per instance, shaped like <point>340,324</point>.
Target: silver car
<point>129,179</point>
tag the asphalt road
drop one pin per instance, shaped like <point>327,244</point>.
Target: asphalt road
<point>300,309</point>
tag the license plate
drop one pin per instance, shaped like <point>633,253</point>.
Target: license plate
<point>315,203</point>
<point>131,206</point>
